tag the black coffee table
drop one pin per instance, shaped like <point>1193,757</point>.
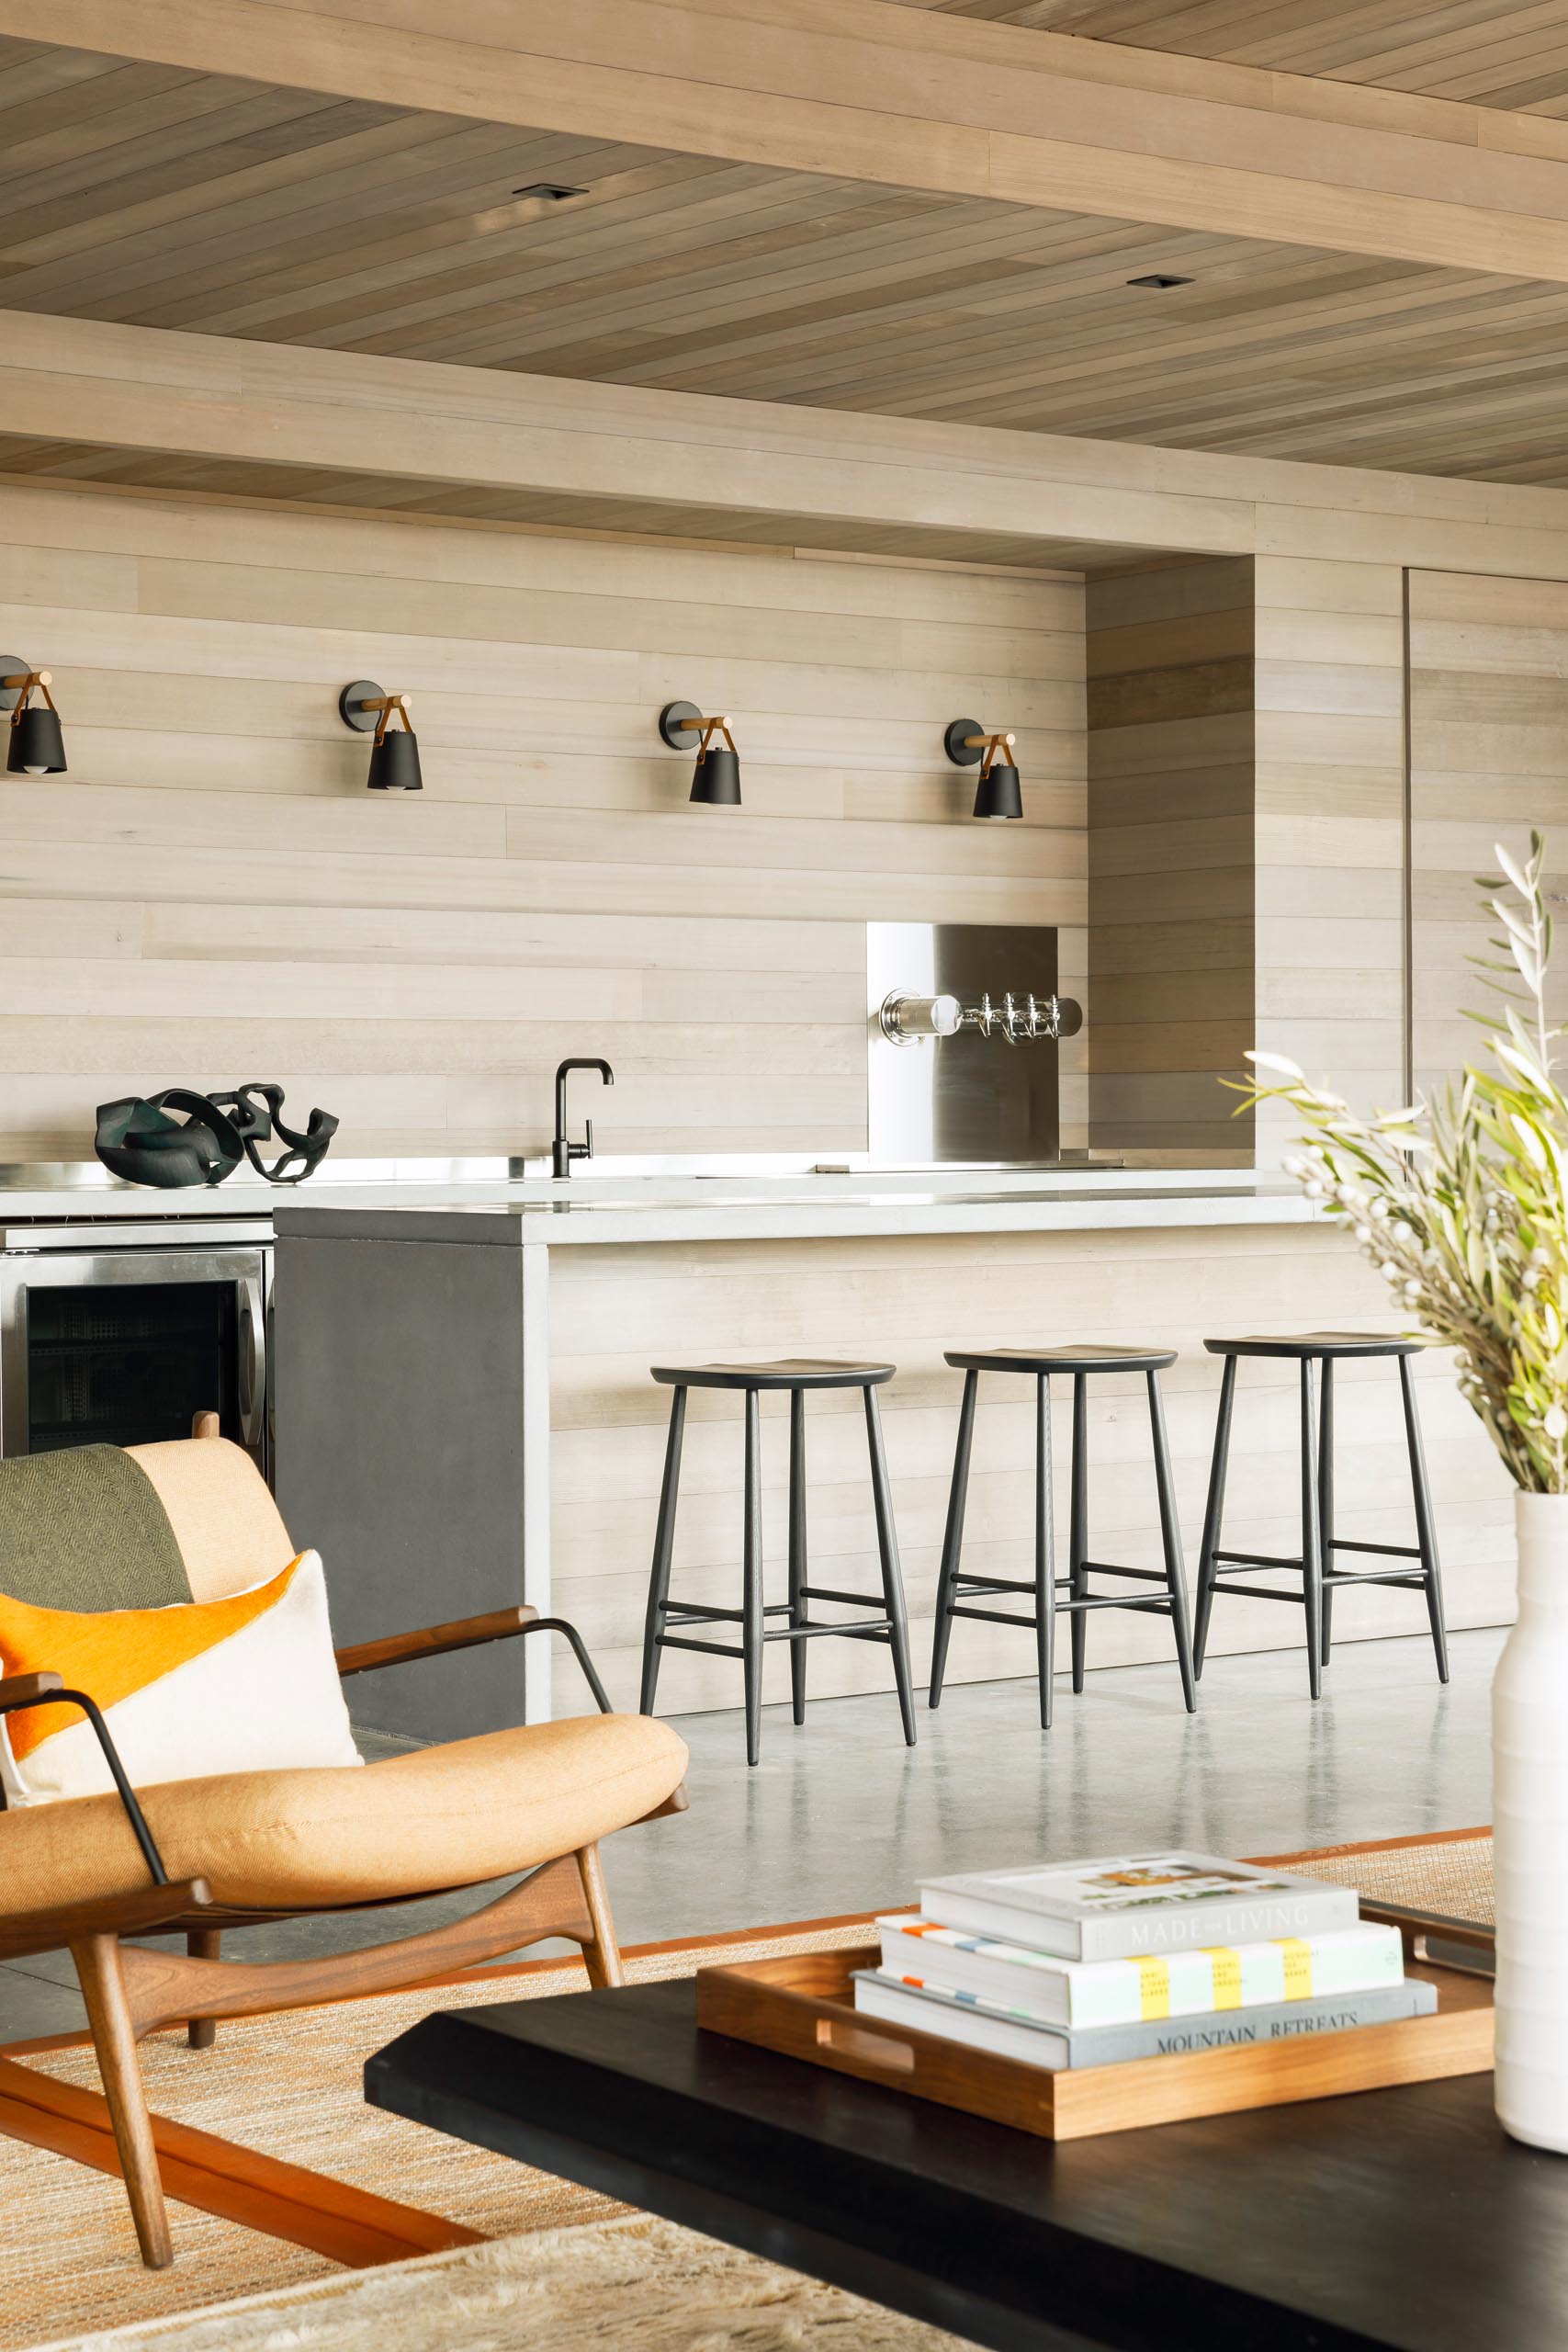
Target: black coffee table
<point>1397,2219</point>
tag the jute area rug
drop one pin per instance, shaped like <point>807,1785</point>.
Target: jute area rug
<point>636,2285</point>
<point>291,2087</point>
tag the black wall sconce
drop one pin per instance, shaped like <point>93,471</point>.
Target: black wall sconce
<point>394,758</point>
<point>37,746</point>
<point>716,779</point>
<point>997,794</point>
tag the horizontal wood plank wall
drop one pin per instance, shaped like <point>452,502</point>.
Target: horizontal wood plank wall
<point>1330,826</point>
<point>1170,858</point>
<point>1489,762</point>
<point>210,894</point>
<point>615,1311</point>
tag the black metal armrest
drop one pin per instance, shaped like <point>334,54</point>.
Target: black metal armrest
<point>48,1689</point>
<point>468,1634</point>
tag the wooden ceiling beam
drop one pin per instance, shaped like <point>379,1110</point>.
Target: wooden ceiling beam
<point>864,90</point>
<point>246,416</point>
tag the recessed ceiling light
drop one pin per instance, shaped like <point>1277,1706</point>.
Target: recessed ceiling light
<point>1159,277</point>
<point>549,191</point>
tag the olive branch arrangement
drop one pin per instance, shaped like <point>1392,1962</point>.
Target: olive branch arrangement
<point>1459,1204</point>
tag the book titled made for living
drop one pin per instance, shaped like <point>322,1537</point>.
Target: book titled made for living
<point>1137,1903</point>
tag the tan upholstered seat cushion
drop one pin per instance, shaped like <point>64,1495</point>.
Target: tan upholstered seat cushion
<point>442,1817</point>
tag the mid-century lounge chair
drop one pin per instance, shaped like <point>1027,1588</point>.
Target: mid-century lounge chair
<point>195,1520</point>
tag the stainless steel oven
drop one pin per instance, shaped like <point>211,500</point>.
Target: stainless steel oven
<point>111,1335</point>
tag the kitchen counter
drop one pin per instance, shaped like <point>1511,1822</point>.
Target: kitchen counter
<point>600,1211</point>
<point>466,1419</point>
<point>610,1206</point>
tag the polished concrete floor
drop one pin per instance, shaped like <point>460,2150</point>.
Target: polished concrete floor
<point>839,1816</point>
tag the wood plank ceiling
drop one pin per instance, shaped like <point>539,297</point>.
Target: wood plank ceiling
<point>1485,51</point>
<point>156,197</point>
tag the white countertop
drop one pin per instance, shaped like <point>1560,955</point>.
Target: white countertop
<point>604,1211</point>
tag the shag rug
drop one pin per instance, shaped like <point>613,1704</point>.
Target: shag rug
<point>636,2285</point>
<point>291,2087</point>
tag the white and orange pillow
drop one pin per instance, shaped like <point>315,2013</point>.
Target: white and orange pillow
<point>245,1684</point>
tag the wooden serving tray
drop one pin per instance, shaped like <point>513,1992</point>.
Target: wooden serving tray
<point>803,2005</point>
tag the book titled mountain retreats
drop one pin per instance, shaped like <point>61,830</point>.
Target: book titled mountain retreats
<point>1137,1903</point>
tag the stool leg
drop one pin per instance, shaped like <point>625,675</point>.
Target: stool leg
<point>1078,1522</point>
<point>751,1619</point>
<point>953,1540</point>
<point>1426,1534</point>
<point>892,1578</point>
<point>797,1548</point>
<point>1045,1550</point>
<point>663,1552</point>
<point>1312,1552</point>
<point>1170,1539</point>
<point>1207,1567</point>
<point>1325,1493</point>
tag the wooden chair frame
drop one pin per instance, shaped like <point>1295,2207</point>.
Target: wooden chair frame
<point>130,1990</point>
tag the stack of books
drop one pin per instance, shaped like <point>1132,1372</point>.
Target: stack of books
<point>1139,1956</point>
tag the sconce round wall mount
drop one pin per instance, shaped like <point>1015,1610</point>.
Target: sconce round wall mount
<point>715,779</point>
<point>394,755</point>
<point>35,745</point>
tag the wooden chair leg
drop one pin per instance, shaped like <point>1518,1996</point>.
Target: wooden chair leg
<point>203,1943</point>
<point>601,1958</point>
<point>114,2040</point>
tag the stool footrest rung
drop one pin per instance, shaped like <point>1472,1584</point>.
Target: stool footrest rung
<point>998,1584</point>
<point>694,1613</point>
<point>827,1592</point>
<point>1255,1560</point>
<point>1118,1601</point>
<point>1390,1551</point>
<point>1110,1569</point>
<point>1261,1591</point>
<point>991,1616</point>
<point>874,1629</point>
<point>1333,1576</point>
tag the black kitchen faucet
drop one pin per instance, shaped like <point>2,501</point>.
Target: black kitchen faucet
<point>564,1153</point>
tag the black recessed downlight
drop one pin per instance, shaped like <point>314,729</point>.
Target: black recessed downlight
<point>1159,277</point>
<point>549,191</point>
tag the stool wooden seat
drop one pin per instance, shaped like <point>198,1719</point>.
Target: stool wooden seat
<point>795,1376</point>
<point>1320,1542</point>
<point>1079,1356</point>
<point>790,1372</point>
<point>957,1594</point>
<point>1323,1346</point>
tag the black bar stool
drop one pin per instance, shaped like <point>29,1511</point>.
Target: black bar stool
<point>956,1592</point>
<point>890,1626</point>
<point>1320,1578</point>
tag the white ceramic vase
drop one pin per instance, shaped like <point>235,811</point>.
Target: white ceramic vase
<point>1529,1769</point>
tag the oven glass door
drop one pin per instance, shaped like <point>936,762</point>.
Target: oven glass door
<point>124,1348</point>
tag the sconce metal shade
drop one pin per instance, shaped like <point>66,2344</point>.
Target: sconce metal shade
<point>968,744</point>
<point>394,763</point>
<point>34,743</point>
<point>716,779</point>
<point>394,755</point>
<point>38,748</point>
<point>999,793</point>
